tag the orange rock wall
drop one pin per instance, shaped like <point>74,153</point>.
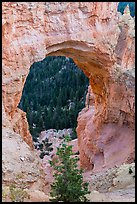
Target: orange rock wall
<point>101,42</point>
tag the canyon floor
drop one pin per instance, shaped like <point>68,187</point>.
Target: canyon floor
<point>102,185</point>
<point>103,189</point>
<point>115,184</point>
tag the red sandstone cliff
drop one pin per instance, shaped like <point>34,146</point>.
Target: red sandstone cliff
<point>101,41</point>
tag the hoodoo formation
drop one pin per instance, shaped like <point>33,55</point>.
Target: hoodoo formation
<point>101,41</point>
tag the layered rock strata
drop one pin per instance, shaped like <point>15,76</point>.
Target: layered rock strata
<point>101,42</point>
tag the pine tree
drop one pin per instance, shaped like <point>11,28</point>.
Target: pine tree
<point>52,83</point>
<point>68,185</point>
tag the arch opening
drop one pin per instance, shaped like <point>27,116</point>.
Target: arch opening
<point>105,88</point>
<point>95,67</point>
<point>53,95</point>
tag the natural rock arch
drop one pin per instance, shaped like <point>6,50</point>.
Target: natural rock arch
<point>101,43</point>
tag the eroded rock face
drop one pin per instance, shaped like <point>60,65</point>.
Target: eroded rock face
<point>21,167</point>
<point>101,42</point>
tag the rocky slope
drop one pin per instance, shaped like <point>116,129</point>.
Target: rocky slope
<point>102,43</point>
<point>116,184</point>
<point>21,169</point>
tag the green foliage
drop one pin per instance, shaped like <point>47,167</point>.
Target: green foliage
<point>45,148</point>
<point>17,194</point>
<point>53,95</point>
<point>68,185</point>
